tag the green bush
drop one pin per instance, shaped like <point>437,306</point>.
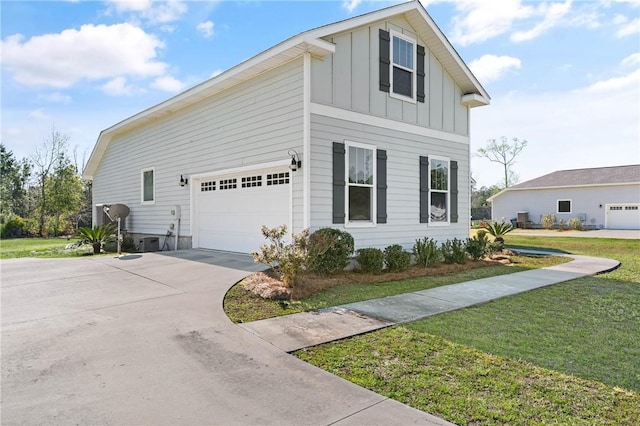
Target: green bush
<point>454,251</point>
<point>329,250</point>
<point>575,223</point>
<point>12,227</point>
<point>477,246</point>
<point>396,258</point>
<point>288,260</point>
<point>97,236</point>
<point>370,260</point>
<point>426,252</point>
<point>499,229</point>
<point>548,221</point>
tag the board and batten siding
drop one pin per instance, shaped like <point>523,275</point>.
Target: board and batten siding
<point>403,187</point>
<point>349,79</point>
<point>586,200</point>
<point>251,123</point>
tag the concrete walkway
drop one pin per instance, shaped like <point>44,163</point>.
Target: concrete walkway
<point>298,331</point>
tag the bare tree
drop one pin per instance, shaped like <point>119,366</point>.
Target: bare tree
<point>503,153</point>
<point>46,156</point>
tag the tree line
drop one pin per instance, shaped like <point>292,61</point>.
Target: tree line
<point>43,195</point>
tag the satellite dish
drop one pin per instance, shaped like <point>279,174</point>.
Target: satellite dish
<point>117,211</point>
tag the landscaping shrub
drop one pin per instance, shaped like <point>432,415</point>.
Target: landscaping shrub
<point>548,221</point>
<point>12,228</point>
<point>454,251</point>
<point>370,260</point>
<point>499,229</point>
<point>575,224</point>
<point>426,252</point>
<point>329,250</point>
<point>396,258</point>
<point>287,259</point>
<point>562,224</point>
<point>477,246</point>
<point>97,236</point>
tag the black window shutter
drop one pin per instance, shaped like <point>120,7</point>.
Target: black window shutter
<point>421,73</point>
<point>381,184</point>
<point>454,192</point>
<point>385,60</point>
<point>338,182</point>
<point>424,189</point>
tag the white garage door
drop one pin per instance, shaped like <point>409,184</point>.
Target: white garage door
<point>623,216</point>
<point>231,209</point>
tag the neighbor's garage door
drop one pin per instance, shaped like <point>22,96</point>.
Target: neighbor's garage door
<point>231,209</point>
<point>623,216</point>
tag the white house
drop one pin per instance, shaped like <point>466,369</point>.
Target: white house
<point>373,112</point>
<point>604,197</point>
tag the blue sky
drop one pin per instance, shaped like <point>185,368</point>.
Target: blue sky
<point>564,75</point>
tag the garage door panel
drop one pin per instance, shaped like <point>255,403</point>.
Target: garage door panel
<point>623,216</point>
<point>230,218</point>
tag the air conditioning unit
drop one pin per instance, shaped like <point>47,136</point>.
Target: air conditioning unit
<point>149,244</point>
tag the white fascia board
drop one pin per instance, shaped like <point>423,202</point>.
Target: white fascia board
<point>473,100</point>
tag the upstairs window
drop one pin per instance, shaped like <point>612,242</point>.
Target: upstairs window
<point>403,76</point>
<point>148,186</point>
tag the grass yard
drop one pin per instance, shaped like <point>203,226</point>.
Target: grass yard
<point>38,247</point>
<point>565,354</point>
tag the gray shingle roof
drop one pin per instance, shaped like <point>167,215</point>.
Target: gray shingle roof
<point>579,177</point>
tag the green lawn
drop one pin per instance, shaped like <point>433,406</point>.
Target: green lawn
<point>38,247</point>
<point>565,354</point>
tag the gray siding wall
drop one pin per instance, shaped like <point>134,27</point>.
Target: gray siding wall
<point>349,79</point>
<point>539,202</point>
<point>403,151</point>
<point>251,123</point>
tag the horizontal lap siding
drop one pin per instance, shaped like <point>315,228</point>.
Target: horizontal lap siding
<point>403,152</point>
<point>251,123</point>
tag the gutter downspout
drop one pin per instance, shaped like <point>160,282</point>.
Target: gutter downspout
<point>306,140</point>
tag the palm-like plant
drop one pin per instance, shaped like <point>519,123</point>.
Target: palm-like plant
<point>97,235</point>
<point>498,230</point>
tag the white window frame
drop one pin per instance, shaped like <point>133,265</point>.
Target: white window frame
<point>570,206</point>
<point>448,191</point>
<point>142,172</point>
<point>360,223</point>
<point>414,78</point>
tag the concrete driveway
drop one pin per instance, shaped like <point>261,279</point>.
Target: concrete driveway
<point>144,340</point>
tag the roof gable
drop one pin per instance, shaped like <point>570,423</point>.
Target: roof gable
<point>312,42</point>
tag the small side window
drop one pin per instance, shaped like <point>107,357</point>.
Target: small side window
<point>148,186</point>
<point>564,206</point>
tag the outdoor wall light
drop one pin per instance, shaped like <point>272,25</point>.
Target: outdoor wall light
<point>183,180</point>
<point>295,160</point>
<point>600,205</point>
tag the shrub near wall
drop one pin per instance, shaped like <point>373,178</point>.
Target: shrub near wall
<point>396,258</point>
<point>370,260</point>
<point>329,250</point>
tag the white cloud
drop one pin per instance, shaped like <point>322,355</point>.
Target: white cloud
<point>155,12</point>
<point>553,14</point>
<point>631,60</point>
<point>167,84</point>
<point>350,5</point>
<point>205,28</point>
<point>629,81</point>
<point>55,97</point>
<point>39,114</point>
<point>627,28</point>
<point>480,20</point>
<point>118,87</point>
<point>489,68</point>
<point>93,52</point>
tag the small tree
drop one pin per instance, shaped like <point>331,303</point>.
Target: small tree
<point>287,259</point>
<point>503,153</point>
<point>97,235</point>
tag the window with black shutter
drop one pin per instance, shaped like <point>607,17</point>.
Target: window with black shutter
<point>402,66</point>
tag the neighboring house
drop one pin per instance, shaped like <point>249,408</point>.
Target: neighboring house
<point>373,112</point>
<point>604,197</point>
